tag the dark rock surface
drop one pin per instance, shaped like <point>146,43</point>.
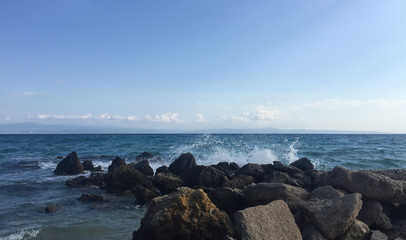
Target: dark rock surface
<point>51,208</point>
<point>273,221</point>
<point>88,165</point>
<point>123,178</point>
<point>144,167</point>
<point>228,199</point>
<point>92,197</point>
<point>326,192</point>
<point>148,156</point>
<point>182,165</point>
<point>205,176</point>
<point>167,182</point>
<point>303,164</point>
<point>252,169</point>
<point>187,214</point>
<point>117,162</point>
<point>70,165</point>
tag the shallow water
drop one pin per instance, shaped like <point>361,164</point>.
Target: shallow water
<point>28,185</point>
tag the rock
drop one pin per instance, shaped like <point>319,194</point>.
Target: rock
<point>117,162</point>
<point>182,165</point>
<point>332,217</point>
<point>370,211</point>
<point>264,193</point>
<point>162,169</point>
<point>378,235</point>
<point>148,156</point>
<point>316,235</point>
<point>239,181</point>
<point>252,169</point>
<point>370,185</point>
<point>357,231</point>
<point>187,214</point>
<point>399,212</point>
<point>382,222</point>
<point>143,194</point>
<point>205,176</point>
<point>51,208</point>
<point>394,174</point>
<point>303,164</point>
<point>281,167</point>
<point>98,169</point>
<point>96,179</point>
<point>273,221</point>
<point>228,199</point>
<point>326,192</point>
<point>70,165</point>
<point>282,177</point>
<point>92,197</point>
<point>227,168</point>
<point>144,167</point>
<point>320,178</point>
<point>167,182</point>
<point>88,165</point>
<point>123,178</point>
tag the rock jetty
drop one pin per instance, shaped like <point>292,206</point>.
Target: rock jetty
<point>269,201</point>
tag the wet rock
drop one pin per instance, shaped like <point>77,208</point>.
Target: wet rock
<point>205,176</point>
<point>92,197</point>
<point>162,169</point>
<point>51,208</point>
<point>332,217</point>
<point>370,211</point>
<point>182,165</point>
<point>123,178</point>
<point>144,167</point>
<point>303,164</point>
<point>252,169</point>
<point>357,231</point>
<point>273,221</point>
<point>96,179</point>
<point>98,169</point>
<point>282,177</point>
<point>143,194</point>
<point>167,182</point>
<point>187,214</point>
<point>148,156</point>
<point>70,165</point>
<point>117,162</point>
<point>378,235</point>
<point>228,199</point>
<point>326,192</point>
<point>240,181</point>
<point>228,168</point>
<point>264,193</point>
<point>88,165</point>
<point>281,167</point>
<point>370,185</point>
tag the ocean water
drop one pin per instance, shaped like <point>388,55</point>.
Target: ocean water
<point>28,185</point>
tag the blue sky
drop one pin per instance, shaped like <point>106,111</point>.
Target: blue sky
<point>325,64</point>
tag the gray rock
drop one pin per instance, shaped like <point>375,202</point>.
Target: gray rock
<point>228,199</point>
<point>270,222</point>
<point>167,182</point>
<point>205,176</point>
<point>370,211</point>
<point>357,231</point>
<point>383,222</point>
<point>186,214</point>
<point>326,192</point>
<point>281,177</point>
<point>281,167</point>
<point>252,169</point>
<point>182,165</point>
<point>264,193</point>
<point>370,185</point>
<point>303,164</point>
<point>378,235</point>
<point>316,235</point>
<point>70,165</point>
<point>332,217</point>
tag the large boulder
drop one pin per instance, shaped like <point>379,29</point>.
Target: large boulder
<point>117,162</point>
<point>205,176</point>
<point>88,165</point>
<point>326,192</point>
<point>144,193</point>
<point>144,167</point>
<point>228,199</point>
<point>370,185</point>
<point>187,214</point>
<point>167,182</point>
<point>240,181</point>
<point>264,193</point>
<point>303,164</point>
<point>273,221</point>
<point>332,217</point>
<point>123,178</point>
<point>228,168</point>
<point>70,165</point>
<point>281,167</point>
<point>252,169</point>
<point>370,211</point>
<point>96,179</point>
<point>282,177</point>
<point>182,165</point>
<point>357,231</point>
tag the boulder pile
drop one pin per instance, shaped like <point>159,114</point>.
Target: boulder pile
<point>268,201</point>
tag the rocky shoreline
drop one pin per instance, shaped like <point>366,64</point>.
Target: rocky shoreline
<point>268,201</point>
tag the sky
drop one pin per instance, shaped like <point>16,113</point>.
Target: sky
<point>317,64</point>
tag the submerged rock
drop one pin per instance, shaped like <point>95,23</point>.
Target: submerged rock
<point>51,208</point>
<point>273,221</point>
<point>92,197</point>
<point>70,165</point>
<point>332,217</point>
<point>187,214</point>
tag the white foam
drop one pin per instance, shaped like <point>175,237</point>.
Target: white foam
<point>47,165</point>
<point>263,156</point>
<point>23,234</point>
<point>291,155</point>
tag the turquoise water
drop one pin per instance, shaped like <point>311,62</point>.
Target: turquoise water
<point>27,183</point>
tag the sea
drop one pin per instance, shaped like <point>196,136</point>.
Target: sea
<point>28,185</point>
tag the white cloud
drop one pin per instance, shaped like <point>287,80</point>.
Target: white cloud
<point>166,118</point>
<point>29,93</point>
<point>200,117</point>
<point>104,116</point>
<point>258,114</point>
